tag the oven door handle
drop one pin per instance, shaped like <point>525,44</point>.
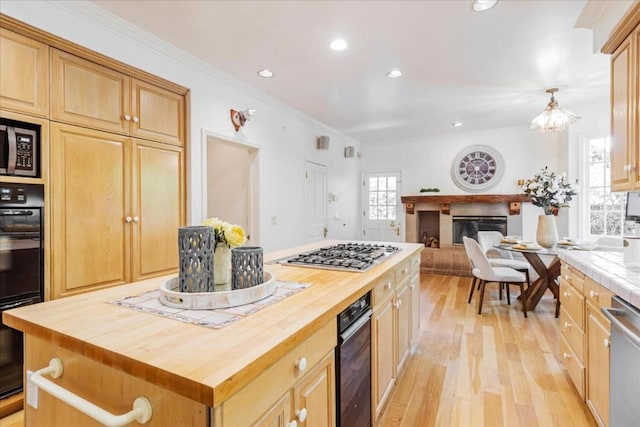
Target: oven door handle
<point>613,314</point>
<point>351,330</point>
<point>16,304</point>
<point>16,213</point>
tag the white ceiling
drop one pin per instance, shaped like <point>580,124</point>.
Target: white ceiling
<point>487,70</point>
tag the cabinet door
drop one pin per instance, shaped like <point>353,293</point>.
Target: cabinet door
<point>157,207</point>
<point>24,74</point>
<point>635,146</point>
<point>278,415</point>
<point>414,296</point>
<point>622,132</point>
<point>383,335</point>
<point>89,194</point>
<point>315,395</point>
<point>598,335</point>
<point>158,114</point>
<point>87,94</point>
<point>403,322</point>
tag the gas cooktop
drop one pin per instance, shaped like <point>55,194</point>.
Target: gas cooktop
<point>343,256</point>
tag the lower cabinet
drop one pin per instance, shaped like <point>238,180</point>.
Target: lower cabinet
<point>304,380</point>
<point>584,339</point>
<point>395,324</point>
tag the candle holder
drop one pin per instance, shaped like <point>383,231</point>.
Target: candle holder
<point>246,267</point>
<point>195,245</point>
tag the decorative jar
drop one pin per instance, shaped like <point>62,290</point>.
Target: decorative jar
<point>195,247</point>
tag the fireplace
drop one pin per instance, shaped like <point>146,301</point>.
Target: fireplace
<point>470,225</point>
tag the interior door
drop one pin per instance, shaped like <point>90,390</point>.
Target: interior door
<point>231,184</point>
<point>382,210</point>
<point>316,200</point>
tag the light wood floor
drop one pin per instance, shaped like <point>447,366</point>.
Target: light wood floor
<point>497,369</point>
<point>494,369</point>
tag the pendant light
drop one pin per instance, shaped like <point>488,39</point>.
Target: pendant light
<point>553,118</point>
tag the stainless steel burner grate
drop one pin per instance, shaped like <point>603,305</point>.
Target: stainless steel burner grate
<point>343,256</point>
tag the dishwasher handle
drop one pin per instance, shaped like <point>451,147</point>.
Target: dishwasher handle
<point>351,330</point>
<point>614,315</point>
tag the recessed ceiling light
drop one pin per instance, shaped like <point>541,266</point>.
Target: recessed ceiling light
<point>267,74</point>
<point>483,5</point>
<point>456,124</point>
<point>394,74</point>
<point>338,45</point>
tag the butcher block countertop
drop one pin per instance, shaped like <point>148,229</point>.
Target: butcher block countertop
<point>202,364</point>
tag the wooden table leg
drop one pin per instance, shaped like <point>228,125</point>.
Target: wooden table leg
<point>545,281</point>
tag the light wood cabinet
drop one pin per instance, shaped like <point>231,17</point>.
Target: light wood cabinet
<point>598,337</point>
<point>584,343</point>
<point>104,386</point>
<point>395,324</point>
<point>307,393</point>
<point>24,74</point>
<point>116,205</point>
<point>625,113</point>
<point>94,96</point>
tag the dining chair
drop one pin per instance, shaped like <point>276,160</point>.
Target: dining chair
<point>488,241</point>
<point>486,273</point>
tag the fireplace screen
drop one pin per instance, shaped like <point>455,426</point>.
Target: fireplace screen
<point>470,225</point>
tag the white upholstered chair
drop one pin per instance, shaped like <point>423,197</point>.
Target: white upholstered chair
<point>486,273</point>
<point>488,240</point>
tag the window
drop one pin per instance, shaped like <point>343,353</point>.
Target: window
<point>382,197</point>
<point>605,210</point>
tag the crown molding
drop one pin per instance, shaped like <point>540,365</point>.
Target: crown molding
<point>591,13</point>
<point>109,22</point>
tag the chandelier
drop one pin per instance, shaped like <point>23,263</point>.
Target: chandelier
<point>553,118</point>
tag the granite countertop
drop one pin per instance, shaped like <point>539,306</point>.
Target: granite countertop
<point>607,269</point>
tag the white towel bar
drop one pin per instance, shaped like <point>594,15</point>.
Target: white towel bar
<point>141,411</point>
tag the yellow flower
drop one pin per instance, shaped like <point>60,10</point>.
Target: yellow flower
<point>234,235</point>
<point>214,222</point>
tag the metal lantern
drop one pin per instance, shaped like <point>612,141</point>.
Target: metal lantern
<point>196,244</point>
<point>246,267</point>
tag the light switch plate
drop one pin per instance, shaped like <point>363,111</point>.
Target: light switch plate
<point>32,392</point>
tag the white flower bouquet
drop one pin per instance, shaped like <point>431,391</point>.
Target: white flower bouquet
<point>548,190</point>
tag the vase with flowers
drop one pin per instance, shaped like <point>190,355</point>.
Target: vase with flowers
<point>226,236</point>
<point>549,191</point>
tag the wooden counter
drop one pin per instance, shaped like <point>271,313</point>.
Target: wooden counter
<point>204,365</point>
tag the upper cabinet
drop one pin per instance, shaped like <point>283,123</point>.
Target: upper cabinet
<point>94,96</point>
<point>24,74</point>
<point>624,45</point>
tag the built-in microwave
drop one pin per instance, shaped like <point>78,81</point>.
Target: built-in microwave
<point>19,148</point>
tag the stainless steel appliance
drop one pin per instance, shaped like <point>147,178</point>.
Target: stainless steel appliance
<point>624,371</point>
<point>19,148</point>
<point>344,256</point>
<point>353,364</point>
<point>21,270</point>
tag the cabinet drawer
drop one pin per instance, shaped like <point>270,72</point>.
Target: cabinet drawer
<point>104,386</point>
<point>573,333</point>
<point>414,263</point>
<point>402,271</point>
<point>573,302</point>
<point>595,293</point>
<point>573,365</point>
<point>258,396</point>
<point>383,288</point>
<point>574,277</point>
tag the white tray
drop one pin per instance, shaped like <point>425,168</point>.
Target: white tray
<point>172,297</point>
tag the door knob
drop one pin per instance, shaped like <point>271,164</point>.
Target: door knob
<point>128,219</point>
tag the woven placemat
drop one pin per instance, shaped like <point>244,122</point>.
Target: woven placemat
<point>149,302</point>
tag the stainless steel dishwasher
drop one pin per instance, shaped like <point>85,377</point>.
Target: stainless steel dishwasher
<point>624,382</point>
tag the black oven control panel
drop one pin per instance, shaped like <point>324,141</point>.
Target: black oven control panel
<point>13,194</point>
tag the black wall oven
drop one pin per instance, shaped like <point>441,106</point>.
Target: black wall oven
<point>21,270</point>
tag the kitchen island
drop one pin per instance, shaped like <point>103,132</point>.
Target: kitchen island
<point>193,375</point>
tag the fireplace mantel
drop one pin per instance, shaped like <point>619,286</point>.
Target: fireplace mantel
<point>513,200</point>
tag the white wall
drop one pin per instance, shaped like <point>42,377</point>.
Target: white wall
<point>286,137</point>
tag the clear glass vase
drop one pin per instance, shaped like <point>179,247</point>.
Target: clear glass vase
<point>222,265</point>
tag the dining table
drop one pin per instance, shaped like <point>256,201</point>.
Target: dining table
<point>547,271</point>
